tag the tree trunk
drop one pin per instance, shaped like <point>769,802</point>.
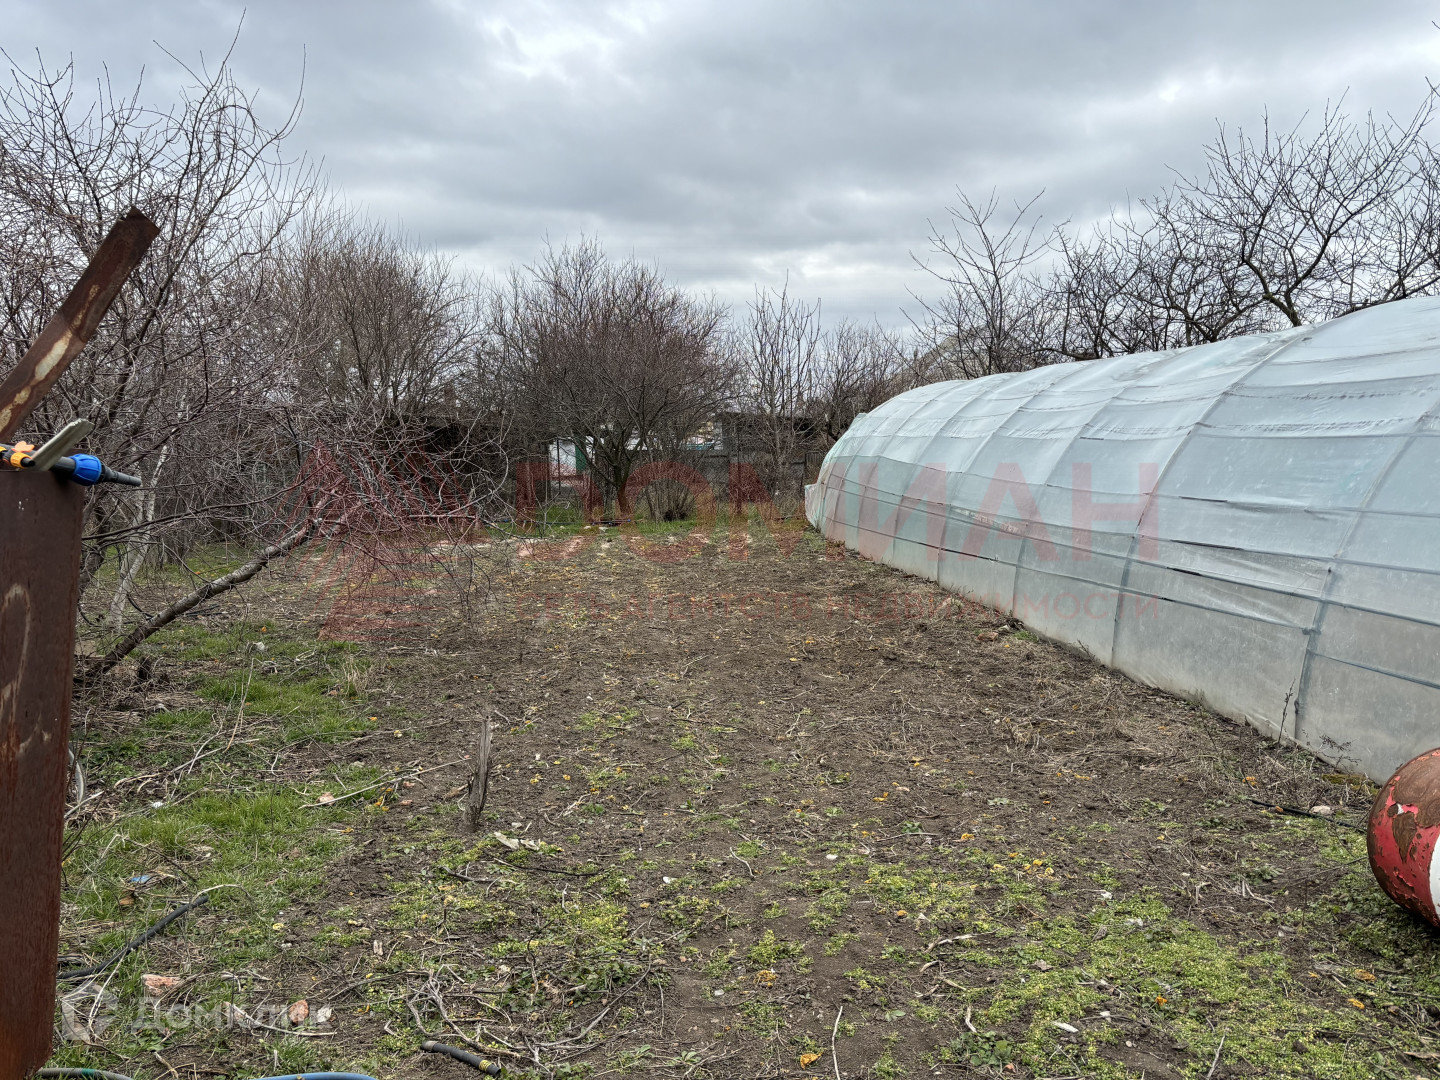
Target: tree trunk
<point>134,555</point>
<point>224,584</point>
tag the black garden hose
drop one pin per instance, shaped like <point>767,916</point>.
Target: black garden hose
<point>485,1066</point>
<point>131,945</point>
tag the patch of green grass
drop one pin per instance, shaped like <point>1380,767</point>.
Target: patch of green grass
<point>764,1019</point>
<point>606,725</point>
<point>771,950</point>
<point>237,645</point>
<point>888,1067</point>
<point>307,708</point>
<point>1180,979</point>
<point>212,819</point>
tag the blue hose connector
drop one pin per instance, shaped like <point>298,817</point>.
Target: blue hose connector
<point>88,469</point>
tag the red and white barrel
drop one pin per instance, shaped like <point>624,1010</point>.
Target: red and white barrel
<point>1403,833</point>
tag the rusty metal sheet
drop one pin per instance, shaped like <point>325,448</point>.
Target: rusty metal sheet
<point>74,324</point>
<point>39,589</point>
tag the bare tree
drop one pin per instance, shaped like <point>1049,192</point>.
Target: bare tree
<point>390,327</point>
<point>609,355</point>
<point>994,312</point>
<point>1284,229</point>
<point>173,365</point>
<point>1324,223</point>
<point>780,350</point>
<point>860,368</point>
<point>215,376</point>
<point>1145,282</point>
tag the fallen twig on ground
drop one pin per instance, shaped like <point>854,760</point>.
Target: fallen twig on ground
<point>381,783</point>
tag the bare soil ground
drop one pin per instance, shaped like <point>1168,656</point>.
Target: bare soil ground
<point>788,815</point>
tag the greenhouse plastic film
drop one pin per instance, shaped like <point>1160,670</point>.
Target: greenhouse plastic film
<point>1253,524</point>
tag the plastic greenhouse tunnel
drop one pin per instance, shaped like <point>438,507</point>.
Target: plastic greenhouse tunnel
<point>1253,524</point>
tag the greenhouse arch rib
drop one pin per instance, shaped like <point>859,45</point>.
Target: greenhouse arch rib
<point>1180,446</point>
<point>1324,601</point>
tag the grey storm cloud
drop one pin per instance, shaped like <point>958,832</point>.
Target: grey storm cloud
<point>737,143</point>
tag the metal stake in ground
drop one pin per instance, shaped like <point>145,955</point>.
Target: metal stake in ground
<point>479,778</point>
<point>39,589</point>
<point>40,516</point>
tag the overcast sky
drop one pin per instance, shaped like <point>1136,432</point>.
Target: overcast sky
<point>733,142</point>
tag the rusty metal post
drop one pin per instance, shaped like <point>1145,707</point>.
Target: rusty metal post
<point>40,516</point>
<point>75,323</point>
<point>39,588</point>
